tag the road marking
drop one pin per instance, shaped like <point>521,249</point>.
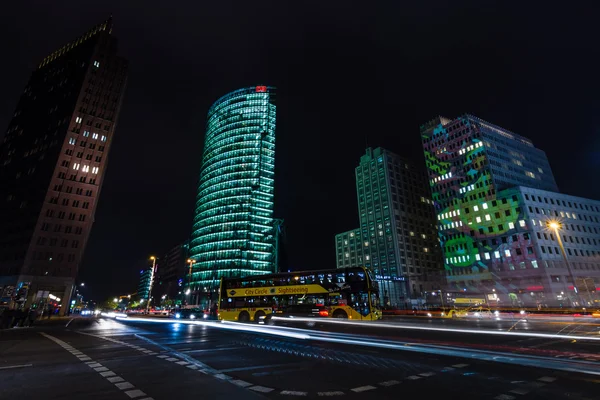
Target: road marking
<point>115,379</point>
<point>222,376</point>
<point>107,374</point>
<point>504,397</point>
<point>389,383</point>
<point>460,365</point>
<point>241,383</point>
<point>95,364</point>
<point>147,398</point>
<point>192,367</point>
<point>254,367</point>
<point>17,366</point>
<point>520,391</point>
<point>135,393</point>
<point>182,362</point>
<point>413,377</point>
<point>261,389</point>
<point>546,379</point>
<point>162,356</point>
<point>293,393</point>
<point>328,394</point>
<point>101,369</point>
<point>426,374</point>
<point>363,388</point>
<point>172,359</point>
<point>124,385</point>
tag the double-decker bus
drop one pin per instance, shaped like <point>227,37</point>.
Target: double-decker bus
<point>345,293</point>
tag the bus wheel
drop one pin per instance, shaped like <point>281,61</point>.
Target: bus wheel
<point>258,315</point>
<point>244,316</point>
<point>340,314</point>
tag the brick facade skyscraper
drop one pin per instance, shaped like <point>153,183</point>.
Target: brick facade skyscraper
<point>52,164</point>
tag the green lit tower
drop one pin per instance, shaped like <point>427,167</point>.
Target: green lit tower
<point>233,232</point>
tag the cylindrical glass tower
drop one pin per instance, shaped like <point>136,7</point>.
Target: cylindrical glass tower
<point>233,231</point>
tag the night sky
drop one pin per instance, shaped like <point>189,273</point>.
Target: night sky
<point>348,74</point>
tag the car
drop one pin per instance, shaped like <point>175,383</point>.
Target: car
<point>188,313</point>
<point>287,314</point>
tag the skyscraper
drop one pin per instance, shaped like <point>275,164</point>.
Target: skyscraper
<point>233,232</point>
<point>52,164</point>
<point>397,237</point>
<point>495,196</point>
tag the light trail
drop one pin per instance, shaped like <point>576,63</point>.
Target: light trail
<point>437,329</point>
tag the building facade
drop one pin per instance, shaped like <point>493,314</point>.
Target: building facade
<point>53,160</point>
<point>143,290</point>
<point>233,231</point>
<point>397,238</point>
<point>483,179</point>
<point>172,272</point>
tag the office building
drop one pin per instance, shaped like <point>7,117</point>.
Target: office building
<point>172,271</point>
<point>53,160</point>
<point>485,181</point>
<point>233,231</point>
<point>397,237</point>
<point>143,291</point>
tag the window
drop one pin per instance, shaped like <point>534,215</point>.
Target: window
<point>78,120</point>
<point>507,252</point>
<point>86,168</point>
<point>534,263</point>
<point>522,223</point>
<point>486,255</point>
<point>96,64</point>
<point>76,166</point>
<point>496,254</point>
<point>72,141</point>
<point>82,217</point>
<point>95,170</point>
<point>86,133</point>
<point>487,217</point>
<point>103,138</point>
<point>94,136</point>
<point>511,225</point>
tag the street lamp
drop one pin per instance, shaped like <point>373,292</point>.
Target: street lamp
<point>188,291</point>
<point>115,300</point>
<point>82,284</point>
<point>556,226</point>
<point>151,282</point>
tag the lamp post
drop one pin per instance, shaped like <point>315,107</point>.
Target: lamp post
<point>189,289</point>
<point>556,226</point>
<point>151,282</point>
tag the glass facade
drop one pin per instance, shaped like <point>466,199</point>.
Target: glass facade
<point>233,230</point>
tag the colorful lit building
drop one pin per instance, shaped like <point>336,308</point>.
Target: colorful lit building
<point>233,231</point>
<point>397,238</point>
<point>53,160</point>
<point>482,179</point>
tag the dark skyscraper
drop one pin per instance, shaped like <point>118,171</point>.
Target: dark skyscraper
<point>52,165</point>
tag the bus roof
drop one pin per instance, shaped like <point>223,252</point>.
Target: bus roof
<point>295,273</point>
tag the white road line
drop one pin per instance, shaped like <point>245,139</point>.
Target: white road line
<point>261,389</point>
<point>389,383</point>
<point>192,367</point>
<point>363,388</point>
<point>95,365</point>
<point>17,366</point>
<point>329,394</point>
<point>413,377</point>
<point>521,392</point>
<point>293,393</point>
<point>460,365</point>
<point>241,383</point>
<point>546,379</point>
<point>135,393</point>
<point>171,359</point>
<point>106,374</point>
<point>182,362</point>
<point>115,379</point>
<point>124,385</point>
<point>427,374</point>
<point>162,356</point>
<point>222,376</point>
<point>100,369</point>
<point>504,397</point>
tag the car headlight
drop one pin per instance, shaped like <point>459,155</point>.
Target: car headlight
<point>522,312</point>
<point>477,314</point>
<point>192,316</point>
<point>177,315</point>
<point>429,314</point>
<point>496,313</point>
<point>205,316</point>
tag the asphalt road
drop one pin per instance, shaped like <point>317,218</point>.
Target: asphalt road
<point>162,359</point>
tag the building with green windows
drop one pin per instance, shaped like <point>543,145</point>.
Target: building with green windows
<point>233,232</point>
<point>496,200</point>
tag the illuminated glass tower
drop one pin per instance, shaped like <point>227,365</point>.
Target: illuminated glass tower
<point>233,232</point>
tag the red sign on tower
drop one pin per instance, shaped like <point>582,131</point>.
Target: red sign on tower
<point>261,89</point>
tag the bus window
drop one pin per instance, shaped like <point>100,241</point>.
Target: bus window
<point>340,278</point>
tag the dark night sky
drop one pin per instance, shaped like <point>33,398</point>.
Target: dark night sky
<point>347,74</point>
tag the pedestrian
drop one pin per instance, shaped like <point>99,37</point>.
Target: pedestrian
<point>32,316</point>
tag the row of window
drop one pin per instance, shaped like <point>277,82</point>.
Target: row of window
<point>52,242</point>
<point>61,215</point>
<point>563,202</point>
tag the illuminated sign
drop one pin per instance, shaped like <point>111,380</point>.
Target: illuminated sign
<point>389,278</point>
<point>261,89</point>
<point>276,290</point>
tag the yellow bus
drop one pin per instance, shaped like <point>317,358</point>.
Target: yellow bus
<point>349,293</point>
